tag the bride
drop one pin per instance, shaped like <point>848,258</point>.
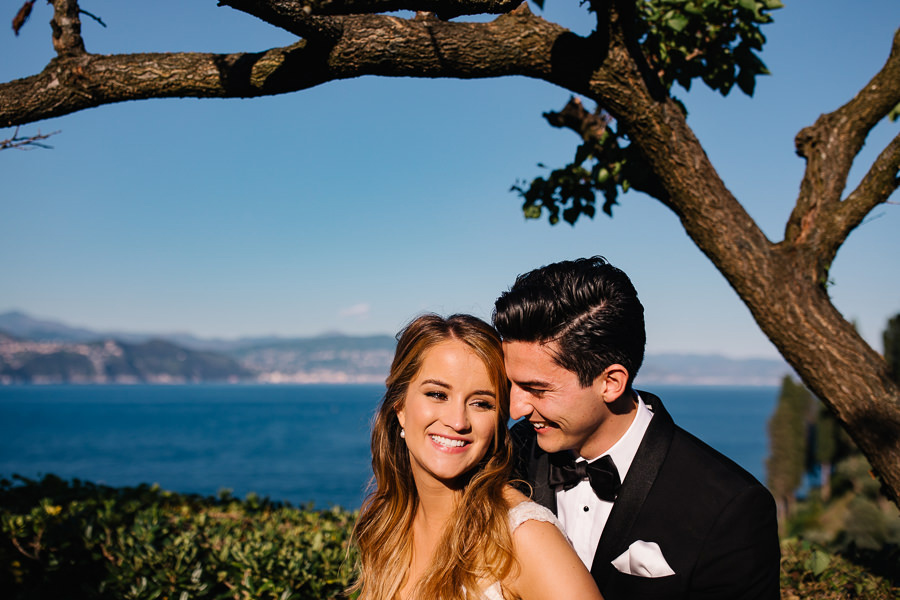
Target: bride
<point>442,521</point>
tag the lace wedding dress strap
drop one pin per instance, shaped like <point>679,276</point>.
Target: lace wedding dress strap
<point>532,511</point>
<point>518,514</point>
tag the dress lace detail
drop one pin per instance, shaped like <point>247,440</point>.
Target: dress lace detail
<point>532,511</point>
<point>518,514</point>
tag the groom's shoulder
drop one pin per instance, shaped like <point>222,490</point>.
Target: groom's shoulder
<point>709,463</point>
<point>693,458</point>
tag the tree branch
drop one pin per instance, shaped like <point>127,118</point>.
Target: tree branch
<point>589,126</point>
<point>515,44</point>
<point>445,9</point>
<point>294,17</point>
<point>26,143</point>
<point>66,25</point>
<point>93,16</point>
<point>830,146</point>
<point>592,128</point>
<point>880,182</point>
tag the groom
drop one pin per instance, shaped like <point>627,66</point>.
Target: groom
<point>651,510</point>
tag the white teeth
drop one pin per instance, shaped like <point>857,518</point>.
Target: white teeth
<point>447,441</point>
<point>539,425</point>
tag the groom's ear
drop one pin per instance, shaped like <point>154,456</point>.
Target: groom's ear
<point>612,383</point>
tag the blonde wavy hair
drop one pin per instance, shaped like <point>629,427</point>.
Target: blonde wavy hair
<point>476,545</point>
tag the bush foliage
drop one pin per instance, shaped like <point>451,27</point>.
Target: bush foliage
<point>79,540</point>
<point>808,571</point>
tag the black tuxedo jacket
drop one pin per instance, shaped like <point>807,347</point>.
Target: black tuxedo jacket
<point>714,522</point>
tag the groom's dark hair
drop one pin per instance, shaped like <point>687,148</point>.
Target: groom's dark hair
<point>588,307</point>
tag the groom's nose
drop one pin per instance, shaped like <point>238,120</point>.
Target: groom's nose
<point>518,403</point>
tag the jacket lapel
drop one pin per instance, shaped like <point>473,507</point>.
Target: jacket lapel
<point>543,493</point>
<point>641,475</point>
<point>532,465</point>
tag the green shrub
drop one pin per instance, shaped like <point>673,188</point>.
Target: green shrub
<point>75,540</point>
<point>79,540</point>
<point>808,571</point>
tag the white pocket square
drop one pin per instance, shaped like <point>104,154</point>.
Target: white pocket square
<point>643,559</point>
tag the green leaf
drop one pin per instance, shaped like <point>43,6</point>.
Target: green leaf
<point>602,175</point>
<point>677,22</point>
<point>746,81</point>
<point>693,9</point>
<point>818,562</point>
<point>895,113</point>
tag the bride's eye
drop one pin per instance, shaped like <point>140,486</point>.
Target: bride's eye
<point>484,404</point>
<point>437,395</point>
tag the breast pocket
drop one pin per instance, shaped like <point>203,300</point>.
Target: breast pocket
<point>632,587</point>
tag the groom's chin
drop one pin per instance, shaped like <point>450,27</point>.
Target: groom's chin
<point>548,443</point>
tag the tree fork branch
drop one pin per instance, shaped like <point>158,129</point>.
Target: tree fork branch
<point>830,146</point>
<point>880,182</point>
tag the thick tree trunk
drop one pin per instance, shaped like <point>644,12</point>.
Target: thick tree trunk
<point>782,284</point>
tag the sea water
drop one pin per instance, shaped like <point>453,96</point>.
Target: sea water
<point>303,444</point>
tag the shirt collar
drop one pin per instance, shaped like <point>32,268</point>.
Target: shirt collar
<point>623,451</point>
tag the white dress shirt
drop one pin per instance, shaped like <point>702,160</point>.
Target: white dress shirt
<point>581,512</point>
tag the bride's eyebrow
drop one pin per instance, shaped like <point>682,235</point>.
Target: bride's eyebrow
<point>437,382</point>
<point>440,383</point>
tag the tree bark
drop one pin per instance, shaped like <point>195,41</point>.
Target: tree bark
<point>783,284</point>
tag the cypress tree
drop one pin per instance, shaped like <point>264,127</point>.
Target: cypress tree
<point>891,337</point>
<point>788,429</point>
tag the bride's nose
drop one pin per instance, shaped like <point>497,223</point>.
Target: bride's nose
<point>455,415</point>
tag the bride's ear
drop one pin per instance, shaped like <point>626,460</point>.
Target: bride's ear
<point>401,418</point>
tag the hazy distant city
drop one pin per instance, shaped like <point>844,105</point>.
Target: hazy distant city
<point>39,351</point>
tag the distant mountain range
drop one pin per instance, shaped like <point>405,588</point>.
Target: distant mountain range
<point>47,351</point>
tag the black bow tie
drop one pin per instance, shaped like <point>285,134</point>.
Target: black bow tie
<point>602,473</point>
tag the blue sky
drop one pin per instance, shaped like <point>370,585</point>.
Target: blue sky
<point>358,204</point>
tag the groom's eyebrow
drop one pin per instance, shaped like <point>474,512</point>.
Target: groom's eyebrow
<point>534,383</point>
